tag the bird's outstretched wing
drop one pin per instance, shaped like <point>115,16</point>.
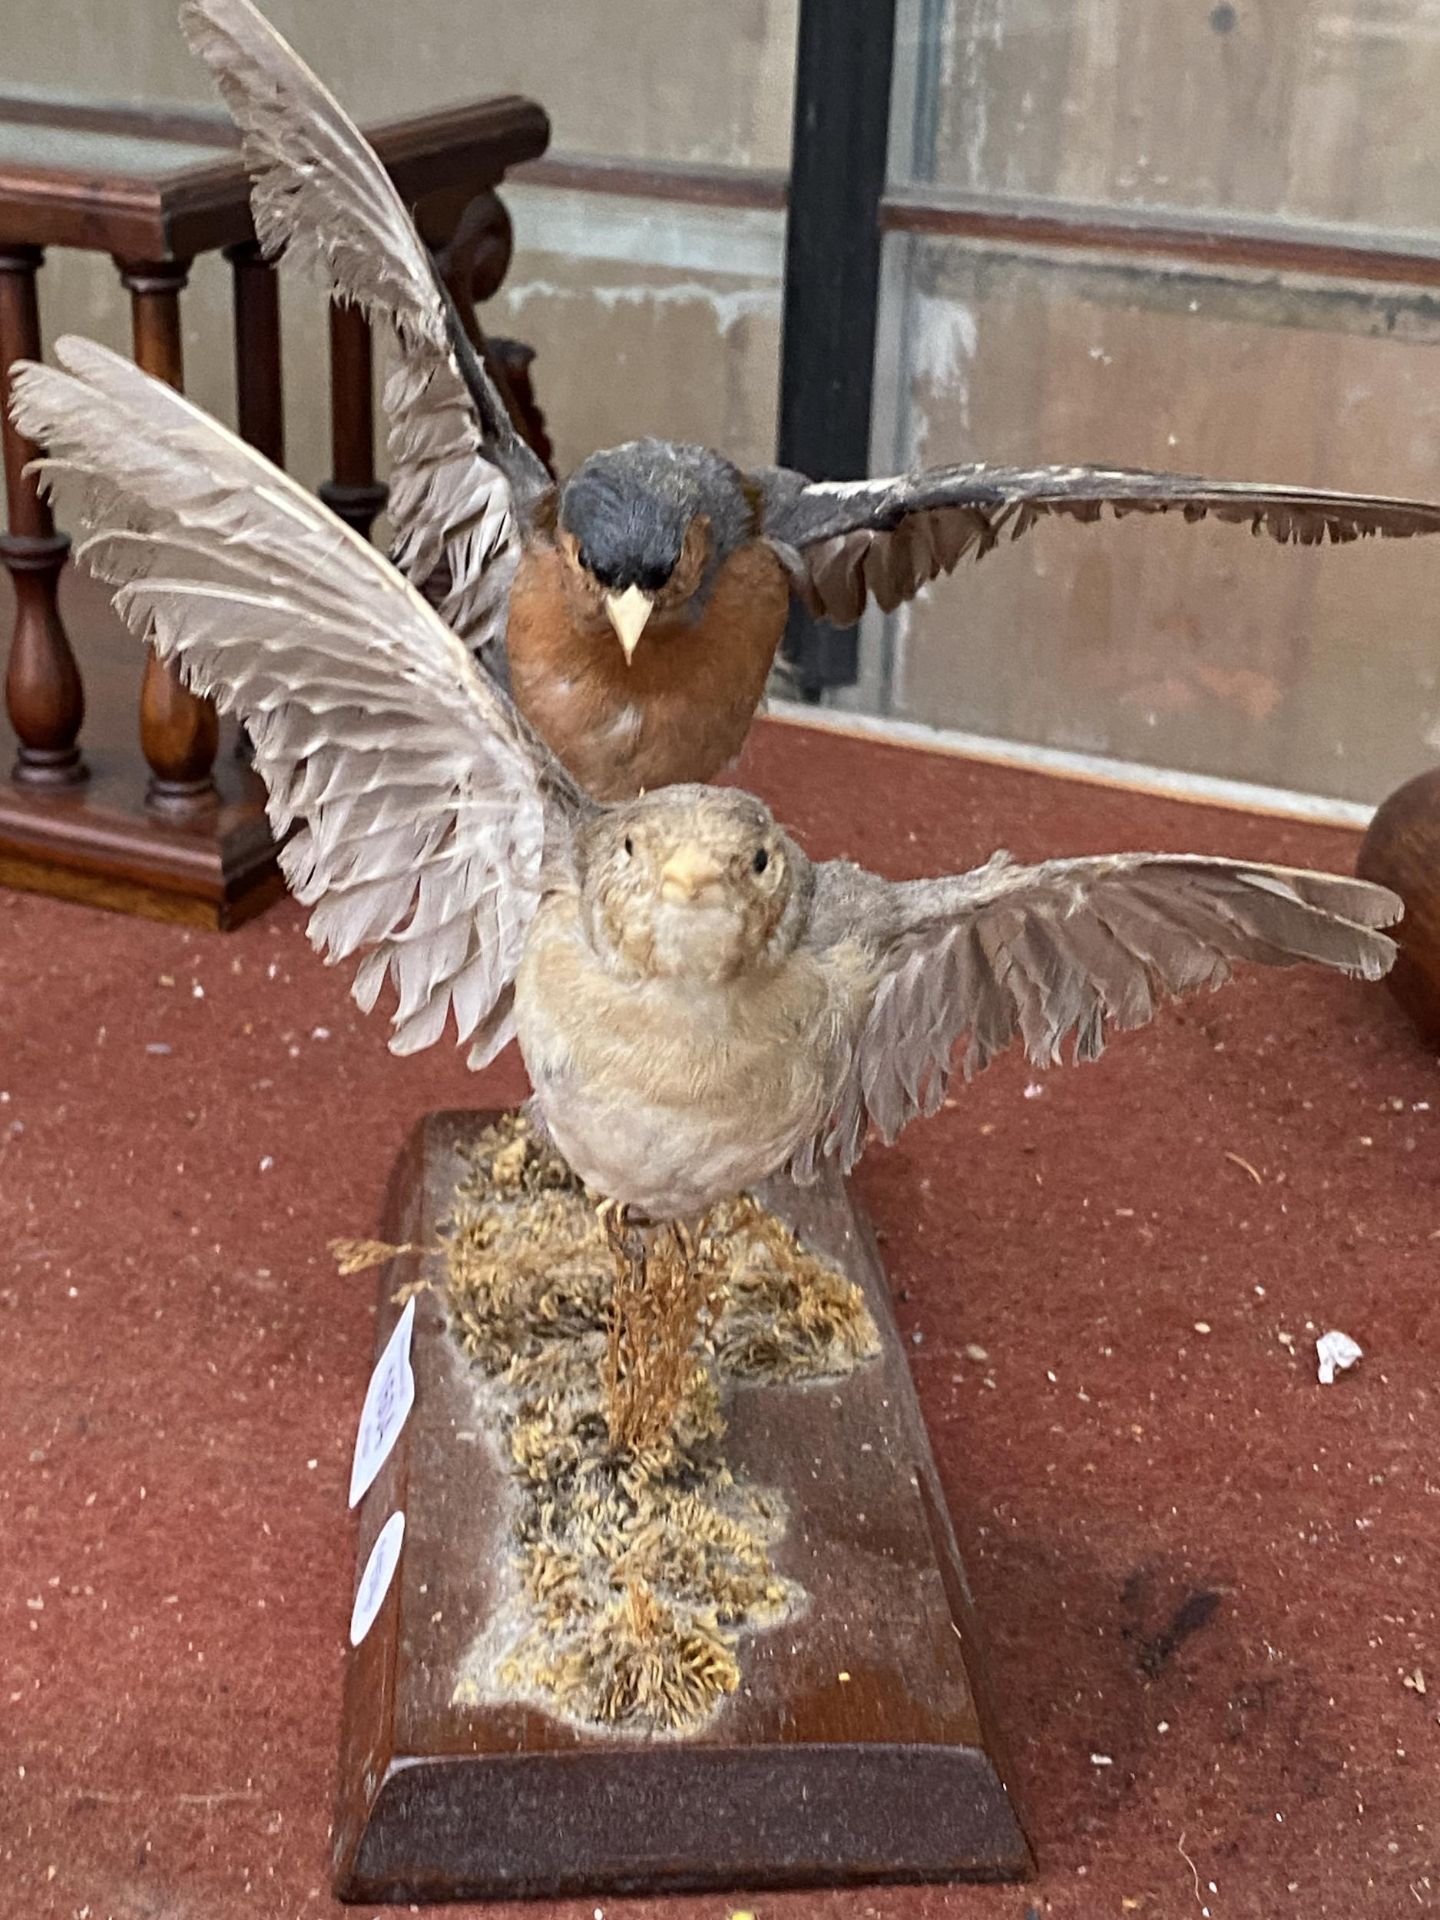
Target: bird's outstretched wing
<point>460,474</point>
<point>427,804</point>
<point>1068,947</point>
<point>844,541</point>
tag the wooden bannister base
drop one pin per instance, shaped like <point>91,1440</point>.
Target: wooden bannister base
<point>164,816</point>
<point>98,842</point>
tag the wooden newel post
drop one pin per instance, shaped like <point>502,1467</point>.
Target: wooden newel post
<point>353,493</point>
<point>178,732</point>
<point>43,693</point>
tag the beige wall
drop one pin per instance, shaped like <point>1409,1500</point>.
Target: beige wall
<point>653,78</point>
<point>647,318</point>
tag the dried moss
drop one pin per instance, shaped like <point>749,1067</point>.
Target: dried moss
<point>636,1568</point>
<point>641,1661</point>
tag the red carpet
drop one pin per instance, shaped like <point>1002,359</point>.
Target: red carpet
<point>1205,1580</point>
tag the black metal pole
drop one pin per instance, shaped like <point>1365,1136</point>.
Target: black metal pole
<point>843,63</point>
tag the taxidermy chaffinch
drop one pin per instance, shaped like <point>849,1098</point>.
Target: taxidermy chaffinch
<point>640,604</point>
<point>698,1004</point>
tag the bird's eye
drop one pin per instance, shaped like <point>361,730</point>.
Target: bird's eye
<point>653,579</point>
<point>629,846</point>
<point>761,860</point>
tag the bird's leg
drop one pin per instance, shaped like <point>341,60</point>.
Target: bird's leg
<point>617,1379</point>
<point>704,1282</point>
<point>700,1283</point>
<point>660,1291</point>
<point>612,1217</point>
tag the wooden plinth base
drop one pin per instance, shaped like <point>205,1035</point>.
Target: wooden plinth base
<point>855,1750</point>
<point>97,841</point>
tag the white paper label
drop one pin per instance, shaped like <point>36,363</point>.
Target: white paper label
<point>375,1581</point>
<point>388,1400</point>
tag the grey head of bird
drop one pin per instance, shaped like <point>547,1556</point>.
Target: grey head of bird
<point>646,527</point>
<point>692,883</point>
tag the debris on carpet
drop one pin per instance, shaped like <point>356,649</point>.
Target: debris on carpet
<point>1334,1352</point>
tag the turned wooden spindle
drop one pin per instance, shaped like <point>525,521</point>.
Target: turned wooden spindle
<point>259,380</point>
<point>353,492</point>
<point>43,692</point>
<point>259,387</point>
<point>178,732</point>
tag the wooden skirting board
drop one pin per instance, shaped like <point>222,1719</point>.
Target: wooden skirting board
<point>97,842</point>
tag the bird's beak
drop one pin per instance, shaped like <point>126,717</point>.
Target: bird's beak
<point>628,613</point>
<point>688,871</point>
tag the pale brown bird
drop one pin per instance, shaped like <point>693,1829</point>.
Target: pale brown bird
<point>699,1005</point>
<point>640,604</point>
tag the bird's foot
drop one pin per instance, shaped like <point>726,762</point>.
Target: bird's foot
<point>614,1225</point>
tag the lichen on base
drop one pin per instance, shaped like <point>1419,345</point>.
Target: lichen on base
<point>635,1571</point>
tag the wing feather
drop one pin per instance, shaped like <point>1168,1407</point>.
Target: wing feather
<point>846,542</point>
<point>426,805</point>
<point>460,474</point>
<point>1068,949</point>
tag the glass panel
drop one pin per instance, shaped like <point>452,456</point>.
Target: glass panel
<point>1309,110</point>
<point>709,85</point>
<point>1193,647</point>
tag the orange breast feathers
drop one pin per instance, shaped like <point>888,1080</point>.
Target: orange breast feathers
<point>680,710</point>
